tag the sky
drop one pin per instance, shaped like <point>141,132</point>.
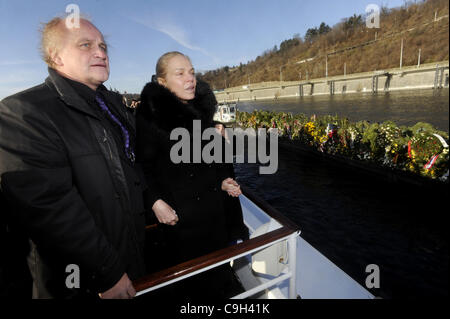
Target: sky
<point>213,33</point>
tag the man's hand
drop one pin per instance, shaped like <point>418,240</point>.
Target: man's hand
<point>123,289</point>
<point>165,213</point>
<point>230,186</point>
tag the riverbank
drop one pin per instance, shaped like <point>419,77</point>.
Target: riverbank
<point>419,150</point>
<point>426,76</point>
<point>406,107</point>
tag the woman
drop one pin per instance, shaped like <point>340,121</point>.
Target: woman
<point>196,203</point>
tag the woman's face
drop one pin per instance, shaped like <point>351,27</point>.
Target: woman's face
<point>180,78</point>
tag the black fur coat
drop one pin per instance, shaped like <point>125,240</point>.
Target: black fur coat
<point>166,112</point>
<point>209,219</point>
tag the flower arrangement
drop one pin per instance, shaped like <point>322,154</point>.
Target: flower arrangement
<point>420,149</point>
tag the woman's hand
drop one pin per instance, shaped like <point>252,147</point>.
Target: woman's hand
<point>164,213</point>
<point>220,128</point>
<point>230,186</point>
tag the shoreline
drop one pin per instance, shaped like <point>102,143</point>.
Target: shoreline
<point>271,98</point>
<point>427,76</point>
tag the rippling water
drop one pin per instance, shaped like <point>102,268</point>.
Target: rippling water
<point>402,107</point>
<point>356,219</point>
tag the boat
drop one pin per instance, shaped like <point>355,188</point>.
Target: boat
<point>389,174</point>
<point>275,263</point>
<point>225,113</point>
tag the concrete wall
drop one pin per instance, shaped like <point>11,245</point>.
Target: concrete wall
<point>377,81</point>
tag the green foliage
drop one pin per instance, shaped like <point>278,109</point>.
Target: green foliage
<point>353,22</point>
<point>285,45</point>
<point>386,144</point>
<point>324,28</point>
<point>311,34</point>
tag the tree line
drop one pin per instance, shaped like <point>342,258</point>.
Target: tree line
<point>318,41</point>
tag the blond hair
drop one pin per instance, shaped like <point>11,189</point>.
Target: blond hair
<point>163,62</point>
<point>52,34</point>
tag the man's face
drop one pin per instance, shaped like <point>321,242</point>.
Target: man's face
<point>83,56</point>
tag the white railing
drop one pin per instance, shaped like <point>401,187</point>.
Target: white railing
<point>286,232</point>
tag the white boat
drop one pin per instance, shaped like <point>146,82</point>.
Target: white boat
<point>225,113</point>
<point>275,263</point>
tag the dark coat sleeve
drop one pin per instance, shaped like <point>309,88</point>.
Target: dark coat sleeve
<point>236,228</point>
<point>147,153</point>
<point>36,179</point>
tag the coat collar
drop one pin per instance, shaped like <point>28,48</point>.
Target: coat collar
<point>68,94</point>
<point>164,110</point>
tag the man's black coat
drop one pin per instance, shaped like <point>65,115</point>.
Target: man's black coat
<point>63,175</point>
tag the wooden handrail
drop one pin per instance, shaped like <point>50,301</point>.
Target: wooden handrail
<point>209,259</point>
<point>151,226</point>
<point>192,265</point>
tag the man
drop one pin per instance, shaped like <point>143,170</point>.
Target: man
<point>67,170</point>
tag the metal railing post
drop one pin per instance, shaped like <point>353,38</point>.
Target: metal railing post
<point>292,249</point>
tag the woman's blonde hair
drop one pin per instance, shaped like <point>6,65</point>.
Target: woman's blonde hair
<point>163,61</point>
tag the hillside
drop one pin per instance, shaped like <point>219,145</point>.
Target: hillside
<point>349,47</point>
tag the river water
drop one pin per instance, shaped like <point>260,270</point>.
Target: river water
<point>356,219</point>
<point>403,107</point>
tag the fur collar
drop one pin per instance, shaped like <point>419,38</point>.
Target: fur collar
<point>165,111</point>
